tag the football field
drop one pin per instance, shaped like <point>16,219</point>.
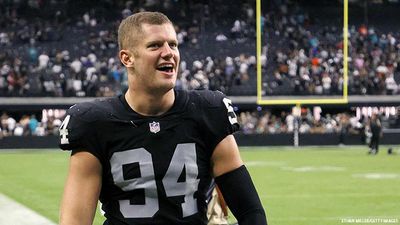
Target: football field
<point>298,186</point>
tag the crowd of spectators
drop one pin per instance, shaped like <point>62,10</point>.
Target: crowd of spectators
<point>311,121</point>
<point>29,125</point>
<point>73,52</point>
<point>258,121</point>
<point>69,48</point>
<point>305,53</point>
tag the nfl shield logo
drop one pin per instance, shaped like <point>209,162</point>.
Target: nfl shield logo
<point>154,127</point>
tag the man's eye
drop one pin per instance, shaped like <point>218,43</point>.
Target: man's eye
<point>154,46</point>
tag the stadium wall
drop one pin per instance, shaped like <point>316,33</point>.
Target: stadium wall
<point>389,138</point>
<point>310,139</point>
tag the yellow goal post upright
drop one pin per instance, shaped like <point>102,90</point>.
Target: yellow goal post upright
<point>297,100</point>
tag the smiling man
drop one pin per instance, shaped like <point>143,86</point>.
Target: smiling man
<point>151,154</point>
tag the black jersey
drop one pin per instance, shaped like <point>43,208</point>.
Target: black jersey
<point>156,169</point>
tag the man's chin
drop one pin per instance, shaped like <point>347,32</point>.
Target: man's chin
<point>165,88</point>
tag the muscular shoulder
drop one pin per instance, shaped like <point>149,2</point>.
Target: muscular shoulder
<point>94,110</point>
<point>206,98</point>
<point>80,126</point>
<point>215,115</point>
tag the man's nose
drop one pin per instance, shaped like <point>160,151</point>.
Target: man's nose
<point>166,51</point>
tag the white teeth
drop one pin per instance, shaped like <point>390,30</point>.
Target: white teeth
<point>166,67</point>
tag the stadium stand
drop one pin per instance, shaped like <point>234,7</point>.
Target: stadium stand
<point>305,50</point>
<point>67,48</point>
<point>261,121</point>
<point>73,52</point>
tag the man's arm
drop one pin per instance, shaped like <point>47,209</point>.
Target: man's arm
<point>235,183</point>
<point>82,189</point>
<point>226,156</point>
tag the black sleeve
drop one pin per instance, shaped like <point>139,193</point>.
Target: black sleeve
<point>241,197</point>
<point>218,117</point>
<point>77,132</point>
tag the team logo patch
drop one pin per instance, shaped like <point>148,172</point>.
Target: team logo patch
<point>154,127</point>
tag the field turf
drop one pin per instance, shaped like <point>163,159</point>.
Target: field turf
<point>298,186</point>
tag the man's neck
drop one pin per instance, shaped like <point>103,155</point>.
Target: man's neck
<point>150,104</point>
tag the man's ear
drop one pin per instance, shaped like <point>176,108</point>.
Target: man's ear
<point>126,58</point>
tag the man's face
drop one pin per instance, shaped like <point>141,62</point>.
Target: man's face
<point>156,57</point>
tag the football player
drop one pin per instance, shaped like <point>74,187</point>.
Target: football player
<point>151,154</point>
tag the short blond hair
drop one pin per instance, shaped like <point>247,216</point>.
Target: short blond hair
<point>131,27</point>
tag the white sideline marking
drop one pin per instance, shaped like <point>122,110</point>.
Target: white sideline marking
<point>264,163</point>
<point>315,169</point>
<point>13,213</point>
<point>376,176</point>
<point>329,195</point>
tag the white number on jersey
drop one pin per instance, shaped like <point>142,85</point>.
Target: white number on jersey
<point>146,182</point>
<point>64,131</point>
<point>231,113</point>
<point>184,158</point>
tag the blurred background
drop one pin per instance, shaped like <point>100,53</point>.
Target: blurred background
<point>55,53</point>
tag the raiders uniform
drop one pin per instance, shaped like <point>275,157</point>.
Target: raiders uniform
<point>156,169</point>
